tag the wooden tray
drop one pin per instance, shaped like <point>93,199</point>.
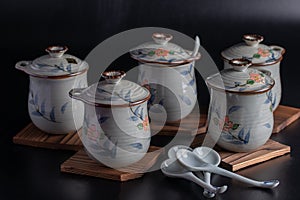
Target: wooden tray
<point>32,136</point>
<point>81,164</point>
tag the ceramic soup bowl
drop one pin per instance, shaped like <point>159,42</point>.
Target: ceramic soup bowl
<point>263,57</point>
<point>168,71</point>
<point>240,112</point>
<point>116,127</point>
<point>51,78</point>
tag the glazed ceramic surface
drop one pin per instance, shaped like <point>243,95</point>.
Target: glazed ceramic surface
<point>51,78</point>
<point>168,71</point>
<point>116,129</point>
<point>240,112</point>
<point>262,56</point>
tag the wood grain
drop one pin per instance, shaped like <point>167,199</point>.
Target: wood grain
<point>81,164</point>
<point>236,161</point>
<point>284,116</point>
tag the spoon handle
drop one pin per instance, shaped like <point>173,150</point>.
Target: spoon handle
<point>207,193</point>
<point>262,184</point>
<point>198,181</point>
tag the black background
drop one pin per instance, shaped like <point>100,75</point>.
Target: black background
<point>27,27</point>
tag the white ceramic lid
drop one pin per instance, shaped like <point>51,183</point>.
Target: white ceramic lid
<point>251,49</point>
<point>241,79</point>
<point>113,91</point>
<point>161,51</point>
<point>53,65</point>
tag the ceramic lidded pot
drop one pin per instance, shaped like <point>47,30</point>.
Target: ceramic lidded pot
<point>116,129</point>
<point>263,57</point>
<point>240,107</point>
<point>168,70</point>
<point>51,78</point>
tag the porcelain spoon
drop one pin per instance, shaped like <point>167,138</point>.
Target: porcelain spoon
<point>172,168</point>
<point>194,163</point>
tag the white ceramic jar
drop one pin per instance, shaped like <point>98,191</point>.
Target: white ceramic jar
<point>263,57</point>
<point>240,112</point>
<point>168,71</point>
<point>116,129</point>
<point>52,76</point>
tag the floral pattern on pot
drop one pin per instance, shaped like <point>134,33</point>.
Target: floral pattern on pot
<point>139,117</point>
<point>263,53</point>
<point>160,52</point>
<point>39,108</point>
<point>254,78</point>
<point>271,100</point>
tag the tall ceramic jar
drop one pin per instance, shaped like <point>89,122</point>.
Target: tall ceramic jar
<point>116,129</point>
<point>52,76</point>
<point>240,111</point>
<point>168,71</point>
<point>263,57</point>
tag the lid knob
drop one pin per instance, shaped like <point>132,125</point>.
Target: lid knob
<point>240,64</point>
<point>253,39</point>
<point>56,51</point>
<point>114,76</point>
<point>161,38</point>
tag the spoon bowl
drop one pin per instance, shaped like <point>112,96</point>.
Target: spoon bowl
<point>194,162</point>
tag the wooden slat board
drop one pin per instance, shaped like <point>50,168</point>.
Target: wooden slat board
<point>32,136</point>
<point>81,164</point>
<point>284,116</point>
<point>236,161</point>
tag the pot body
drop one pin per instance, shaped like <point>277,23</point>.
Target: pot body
<point>174,88</point>
<point>240,123</point>
<point>116,136</point>
<point>274,69</point>
<point>50,107</point>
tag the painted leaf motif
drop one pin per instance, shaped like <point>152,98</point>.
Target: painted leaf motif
<point>63,107</point>
<point>133,118</point>
<point>140,126</point>
<point>52,114</point>
<point>241,134</point>
<point>267,125</point>
<point>151,53</point>
<point>235,126</point>
<point>242,89</point>
<point>102,119</point>
<point>142,113</point>
<point>127,96</point>
<point>247,137</point>
<point>35,113</point>
<point>256,55</point>
<point>233,109</point>
<point>184,73</point>
<point>192,82</point>
<point>250,81</point>
<point>216,121</point>
<point>137,145</point>
<point>267,101</point>
<point>185,99</point>
<point>41,65</point>
<point>191,67</point>
<point>136,112</point>
<point>69,68</point>
<point>43,110</point>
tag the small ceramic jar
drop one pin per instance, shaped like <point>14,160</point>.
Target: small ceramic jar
<point>116,129</point>
<point>263,57</point>
<point>51,78</point>
<point>168,71</point>
<point>240,112</point>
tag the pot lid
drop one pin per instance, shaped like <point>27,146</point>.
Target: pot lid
<point>55,64</point>
<point>162,51</point>
<point>241,79</point>
<point>113,91</point>
<point>252,49</point>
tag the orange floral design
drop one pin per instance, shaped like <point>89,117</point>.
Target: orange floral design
<point>227,124</point>
<point>161,52</point>
<point>146,123</point>
<point>263,52</point>
<point>256,77</point>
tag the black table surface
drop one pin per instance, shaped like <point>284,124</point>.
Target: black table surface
<point>34,173</point>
